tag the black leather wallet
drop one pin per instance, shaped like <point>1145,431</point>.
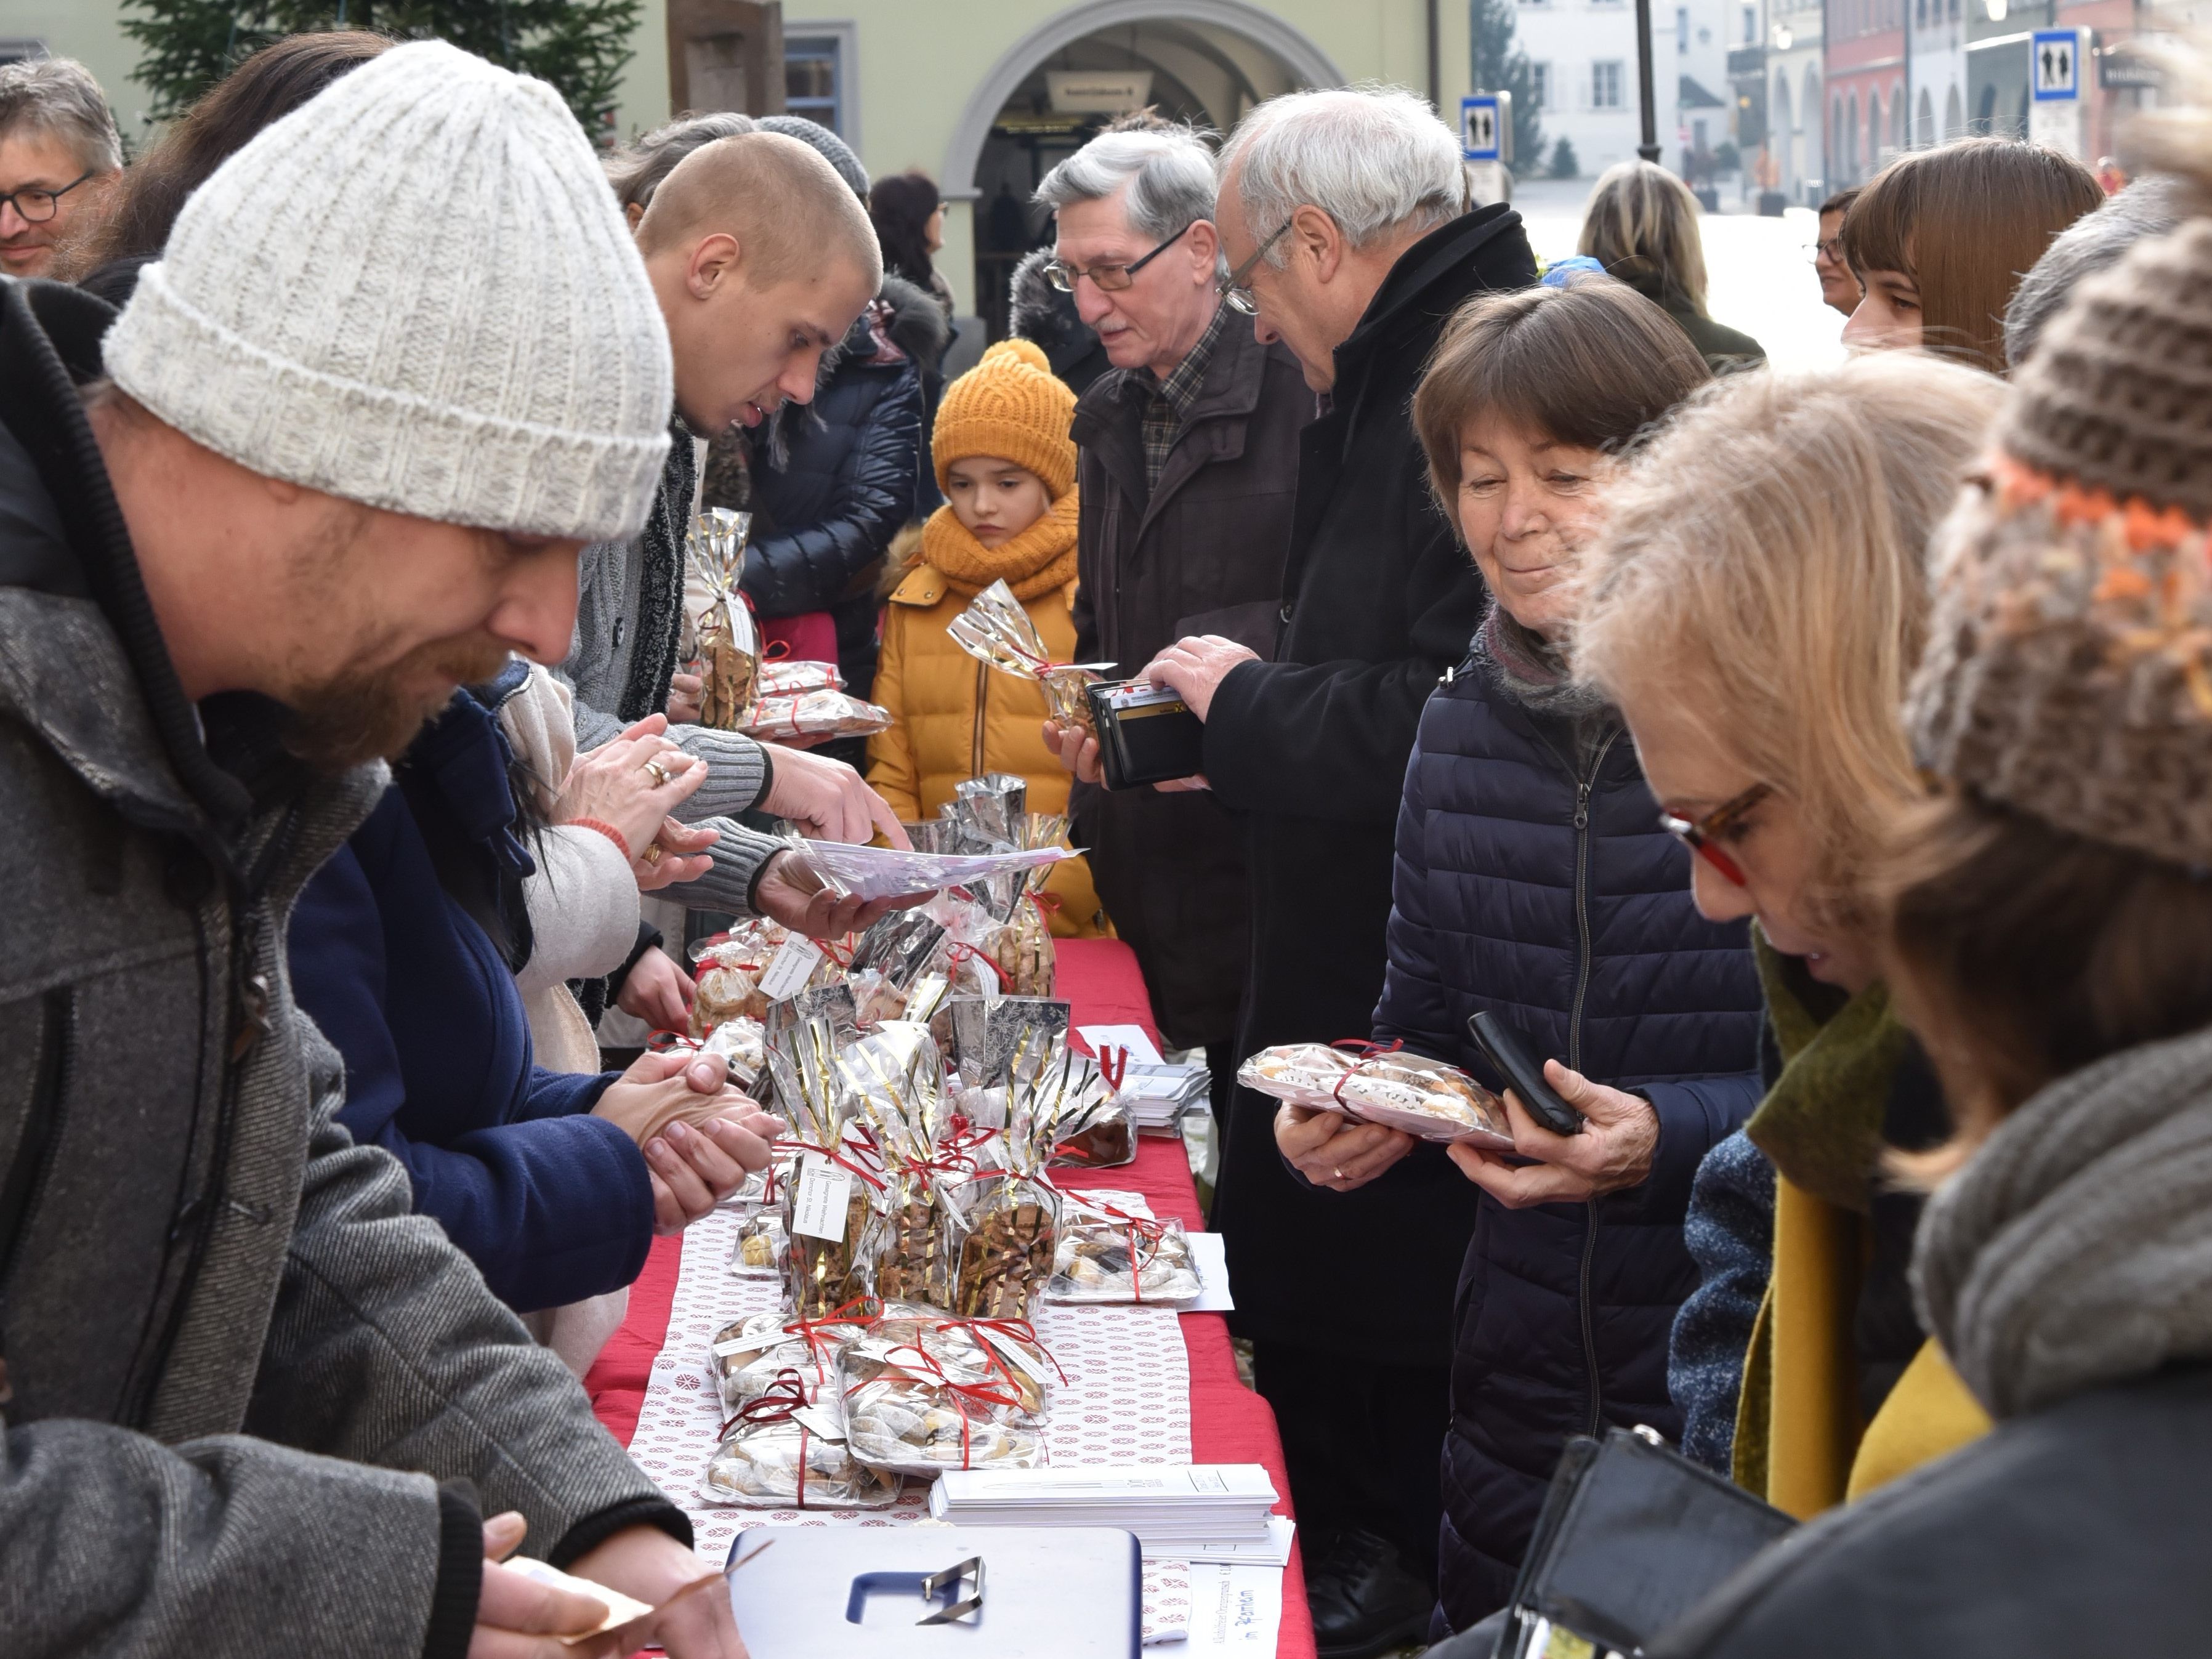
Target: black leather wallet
<point>1632,1536</point>
<point>1147,733</point>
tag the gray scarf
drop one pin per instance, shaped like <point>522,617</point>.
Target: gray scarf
<point>1530,669</point>
<point>2074,1249</point>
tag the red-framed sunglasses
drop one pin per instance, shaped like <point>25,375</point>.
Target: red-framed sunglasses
<point>1702,835</point>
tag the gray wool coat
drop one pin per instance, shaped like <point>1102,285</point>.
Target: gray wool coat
<point>236,1367</point>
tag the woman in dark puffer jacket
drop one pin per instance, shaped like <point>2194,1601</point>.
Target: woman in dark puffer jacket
<point>1533,880</point>
<point>835,481</point>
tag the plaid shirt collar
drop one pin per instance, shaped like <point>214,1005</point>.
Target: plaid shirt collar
<point>1168,403</point>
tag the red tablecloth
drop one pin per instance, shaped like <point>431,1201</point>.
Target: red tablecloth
<point>1228,1424</point>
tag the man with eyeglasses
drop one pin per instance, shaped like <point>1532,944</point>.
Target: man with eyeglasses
<point>1344,218</point>
<point>60,156</point>
<point>1188,468</point>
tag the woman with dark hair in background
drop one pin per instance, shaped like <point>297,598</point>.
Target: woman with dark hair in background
<point>267,87</point>
<point>909,219</point>
<point>1940,239</point>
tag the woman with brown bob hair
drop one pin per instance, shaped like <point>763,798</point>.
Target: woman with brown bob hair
<point>2050,940</point>
<point>1757,604</point>
<point>1941,237</point>
<point>1532,882</point>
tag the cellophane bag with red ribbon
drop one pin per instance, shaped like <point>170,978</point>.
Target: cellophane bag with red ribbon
<point>750,1354</point>
<point>1012,1215</point>
<point>780,1451</point>
<point>728,974</point>
<point>828,1201</point>
<point>994,628</point>
<point>1096,1130</point>
<point>1110,1254</point>
<point>894,1085</point>
<point>1424,1097</point>
<point>787,676</point>
<point>729,643</point>
<point>818,713</point>
<point>924,1393</point>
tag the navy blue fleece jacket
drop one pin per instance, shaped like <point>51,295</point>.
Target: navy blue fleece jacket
<point>552,1204</point>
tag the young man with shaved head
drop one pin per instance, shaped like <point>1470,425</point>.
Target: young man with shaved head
<point>759,258</point>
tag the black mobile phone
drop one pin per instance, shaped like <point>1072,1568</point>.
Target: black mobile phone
<point>1507,1048</point>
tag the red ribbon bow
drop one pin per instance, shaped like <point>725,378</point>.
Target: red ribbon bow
<point>779,1403</point>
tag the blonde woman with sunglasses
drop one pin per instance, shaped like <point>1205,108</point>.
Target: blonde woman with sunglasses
<point>1757,604</point>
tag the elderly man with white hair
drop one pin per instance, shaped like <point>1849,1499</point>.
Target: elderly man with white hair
<point>1188,467</point>
<point>1343,214</point>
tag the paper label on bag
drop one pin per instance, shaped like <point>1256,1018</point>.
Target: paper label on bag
<point>1015,1354</point>
<point>789,968</point>
<point>819,1208</point>
<point>822,1424</point>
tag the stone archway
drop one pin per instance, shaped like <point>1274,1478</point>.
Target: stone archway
<point>1304,59</point>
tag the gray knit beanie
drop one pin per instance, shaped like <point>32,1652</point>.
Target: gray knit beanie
<point>2068,670</point>
<point>824,143</point>
<point>415,292</point>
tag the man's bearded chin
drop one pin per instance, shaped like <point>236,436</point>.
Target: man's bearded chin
<point>363,715</point>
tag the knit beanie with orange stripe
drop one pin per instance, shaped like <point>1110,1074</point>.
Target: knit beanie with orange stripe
<point>1010,405</point>
<point>2068,670</point>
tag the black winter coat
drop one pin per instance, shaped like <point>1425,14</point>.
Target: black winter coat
<point>847,482</point>
<point>1201,553</point>
<point>2075,1531</point>
<point>1533,881</point>
<point>1312,748</point>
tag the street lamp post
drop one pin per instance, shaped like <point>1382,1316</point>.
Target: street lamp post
<point>1648,149</point>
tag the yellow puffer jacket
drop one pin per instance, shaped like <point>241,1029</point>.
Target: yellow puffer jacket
<point>956,719</point>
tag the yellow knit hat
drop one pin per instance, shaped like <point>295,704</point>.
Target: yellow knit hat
<point>1011,405</point>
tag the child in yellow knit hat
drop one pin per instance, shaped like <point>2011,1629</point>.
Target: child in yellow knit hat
<point>1007,468</point>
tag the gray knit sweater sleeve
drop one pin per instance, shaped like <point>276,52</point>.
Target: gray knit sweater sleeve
<point>737,772</point>
<point>739,857</point>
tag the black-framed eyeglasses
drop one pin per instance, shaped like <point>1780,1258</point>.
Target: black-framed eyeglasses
<point>1110,278</point>
<point>1234,294</point>
<point>34,205</point>
<point>1831,248</point>
<point>1701,835</point>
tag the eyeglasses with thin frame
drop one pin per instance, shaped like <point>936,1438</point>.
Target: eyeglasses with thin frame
<point>1833,248</point>
<point>1234,294</point>
<point>1108,278</point>
<point>1702,835</point>
<point>35,204</point>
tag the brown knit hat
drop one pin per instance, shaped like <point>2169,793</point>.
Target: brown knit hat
<point>1011,405</point>
<point>2068,671</point>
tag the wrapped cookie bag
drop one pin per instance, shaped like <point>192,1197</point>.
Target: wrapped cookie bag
<point>749,1354</point>
<point>1381,1084</point>
<point>829,1208</point>
<point>729,643</point>
<point>1012,1215</point>
<point>924,1394</point>
<point>1110,1255</point>
<point>781,1450</point>
<point>895,1084</point>
<point>996,629</point>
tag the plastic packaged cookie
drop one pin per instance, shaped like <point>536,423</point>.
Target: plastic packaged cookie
<point>782,1451</point>
<point>1386,1085</point>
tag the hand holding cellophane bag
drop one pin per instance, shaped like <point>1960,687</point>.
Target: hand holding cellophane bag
<point>1382,1085</point>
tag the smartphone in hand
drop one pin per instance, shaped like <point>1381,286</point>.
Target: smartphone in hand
<point>1508,1048</point>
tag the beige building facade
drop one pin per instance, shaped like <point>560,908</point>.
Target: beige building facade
<point>965,90</point>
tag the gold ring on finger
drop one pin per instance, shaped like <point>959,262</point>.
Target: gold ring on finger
<point>656,772</point>
<point>652,853</point>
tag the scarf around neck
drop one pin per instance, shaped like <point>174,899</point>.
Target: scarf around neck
<point>2074,1249</point>
<point>1038,561</point>
<point>1530,669</point>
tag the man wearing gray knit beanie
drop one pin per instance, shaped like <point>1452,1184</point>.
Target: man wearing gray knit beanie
<point>332,461</point>
<point>760,257</point>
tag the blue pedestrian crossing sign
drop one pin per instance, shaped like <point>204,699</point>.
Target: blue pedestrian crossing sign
<point>1481,127</point>
<point>2055,64</point>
